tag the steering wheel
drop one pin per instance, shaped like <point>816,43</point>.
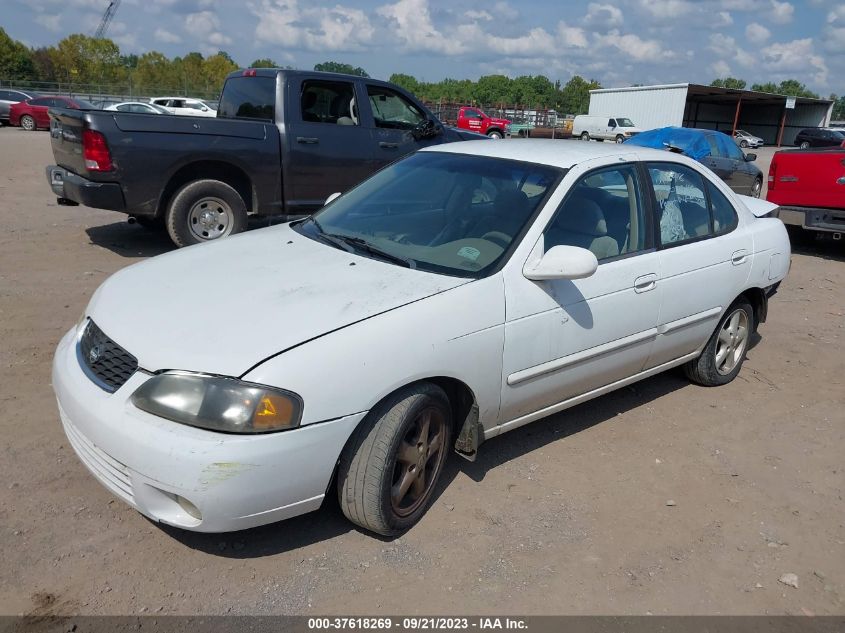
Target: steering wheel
<point>497,237</point>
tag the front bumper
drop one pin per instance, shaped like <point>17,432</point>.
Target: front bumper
<point>234,481</point>
<point>70,186</point>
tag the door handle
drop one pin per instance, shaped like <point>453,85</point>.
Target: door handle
<point>388,145</point>
<point>308,140</point>
<point>645,283</point>
<point>739,257</point>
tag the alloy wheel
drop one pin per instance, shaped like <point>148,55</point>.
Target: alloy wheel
<point>418,461</point>
<point>733,339</point>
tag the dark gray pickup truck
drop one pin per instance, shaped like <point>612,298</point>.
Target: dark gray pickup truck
<point>282,142</point>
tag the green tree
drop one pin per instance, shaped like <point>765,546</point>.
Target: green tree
<point>795,88</point>
<point>15,59</point>
<point>215,69</point>
<point>264,62</point>
<point>494,89</point>
<point>156,73</point>
<point>766,87</point>
<point>838,113</point>
<point>729,82</point>
<point>338,67</point>
<point>83,59</point>
<point>43,61</point>
<point>407,82</point>
<point>575,95</point>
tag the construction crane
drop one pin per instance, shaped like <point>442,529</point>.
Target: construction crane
<point>107,18</point>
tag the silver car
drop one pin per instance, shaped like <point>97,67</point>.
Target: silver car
<point>746,139</point>
<point>7,98</point>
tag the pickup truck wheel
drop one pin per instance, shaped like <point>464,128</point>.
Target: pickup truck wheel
<point>724,353</point>
<point>494,134</point>
<point>585,136</point>
<point>205,210</point>
<point>27,123</point>
<point>389,470</point>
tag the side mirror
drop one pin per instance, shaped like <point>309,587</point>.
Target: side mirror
<point>332,197</point>
<point>750,157</point>
<point>426,129</point>
<point>563,262</point>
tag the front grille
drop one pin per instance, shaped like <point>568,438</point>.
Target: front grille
<point>104,361</point>
<point>108,470</point>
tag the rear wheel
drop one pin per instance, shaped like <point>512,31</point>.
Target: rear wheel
<point>205,210</point>
<point>585,136</point>
<point>804,144</point>
<point>757,187</point>
<point>743,144</point>
<point>27,123</point>
<point>389,471</point>
<point>724,353</point>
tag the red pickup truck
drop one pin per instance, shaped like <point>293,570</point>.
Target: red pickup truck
<point>809,187</point>
<point>475,120</point>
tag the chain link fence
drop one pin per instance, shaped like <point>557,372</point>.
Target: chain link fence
<point>105,93</point>
<point>536,122</point>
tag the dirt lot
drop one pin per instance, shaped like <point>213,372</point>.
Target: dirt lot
<point>568,515</point>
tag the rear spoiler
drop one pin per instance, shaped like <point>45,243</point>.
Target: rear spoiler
<point>760,208</point>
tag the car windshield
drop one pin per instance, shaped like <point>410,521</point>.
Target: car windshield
<point>441,212</point>
<point>623,122</point>
<point>837,134</point>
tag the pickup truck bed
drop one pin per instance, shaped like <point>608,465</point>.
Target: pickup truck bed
<point>809,188</point>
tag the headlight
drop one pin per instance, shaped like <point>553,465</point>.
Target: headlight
<point>218,404</point>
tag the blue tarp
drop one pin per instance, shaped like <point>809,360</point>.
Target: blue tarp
<point>691,142</point>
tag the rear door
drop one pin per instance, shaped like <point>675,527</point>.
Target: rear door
<point>328,147</point>
<point>743,174</point>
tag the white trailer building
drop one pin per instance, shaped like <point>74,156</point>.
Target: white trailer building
<point>692,105</point>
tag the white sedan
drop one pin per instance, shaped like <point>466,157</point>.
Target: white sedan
<point>184,106</point>
<point>136,106</point>
<point>461,292</point>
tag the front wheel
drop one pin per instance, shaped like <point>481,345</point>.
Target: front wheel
<point>743,144</point>
<point>620,138</point>
<point>205,210</point>
<point>585,136</point>
<point>756,188</point>
<point>28,123</point>
<point>724,353</point>
<point>494,134</point>
<point>805,145</point>
<point>389,471</point>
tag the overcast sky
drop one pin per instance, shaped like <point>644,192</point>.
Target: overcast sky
<point>619,43</point>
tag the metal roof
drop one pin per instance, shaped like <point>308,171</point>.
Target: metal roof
<point>715,94</point>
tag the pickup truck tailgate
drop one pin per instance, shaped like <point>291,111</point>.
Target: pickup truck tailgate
<point>808,178</point>
<point>66,138</point>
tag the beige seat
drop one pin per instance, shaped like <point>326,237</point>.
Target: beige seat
<point>581,223</point>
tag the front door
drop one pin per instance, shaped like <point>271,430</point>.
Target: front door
<point>564,338</point>
<point>394,118</point>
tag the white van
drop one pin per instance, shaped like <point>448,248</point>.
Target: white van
<point>603,128</point>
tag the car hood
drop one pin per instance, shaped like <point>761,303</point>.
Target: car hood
<point>225,306</point>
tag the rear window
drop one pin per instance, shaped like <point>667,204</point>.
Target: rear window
<point>248,98</point>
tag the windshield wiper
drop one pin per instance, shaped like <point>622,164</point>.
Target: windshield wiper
<point>352,242</point>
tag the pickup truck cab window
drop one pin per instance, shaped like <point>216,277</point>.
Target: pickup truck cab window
<point>604,213</point>
<point>328,102</point>
<point>681,203</point>
<point>392,110</point>
<point>249,98</point>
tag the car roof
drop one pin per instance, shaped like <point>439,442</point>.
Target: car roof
<point>554,152</point>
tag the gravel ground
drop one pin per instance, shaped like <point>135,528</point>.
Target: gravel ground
<point>569,515</point>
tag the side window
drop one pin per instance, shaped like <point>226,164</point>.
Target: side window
<point>5,95</point>
<point>681,202</point>
<point>604,213</point>
<point>724,215</point>
<point>713,143</point>
<point>472,114</point>
<point>328,102</point>
<point>611,123</point>
<point>126,108</point>
<point>730,148</point>
<point>392,110</point>
<point>43,101</point>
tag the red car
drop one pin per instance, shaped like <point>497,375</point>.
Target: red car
<point>32,113</point>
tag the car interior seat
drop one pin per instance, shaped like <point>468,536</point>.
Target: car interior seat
<point>340,109</point>
<point>309,100</point>
<point>509,214</point>
<point>582,223</point>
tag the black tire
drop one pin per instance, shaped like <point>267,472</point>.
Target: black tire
<point>585,136</point>
<point>371,466</point>
<point>620,138</point>
<point>704,370</point>
<point>757,188</point>
<point>804,145</point>
<point>223,203</point>
<point>743,144</point>
<point>28,123</point>
<point>494,134</point>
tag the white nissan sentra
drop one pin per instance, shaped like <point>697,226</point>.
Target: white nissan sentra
<point>459,293</point>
